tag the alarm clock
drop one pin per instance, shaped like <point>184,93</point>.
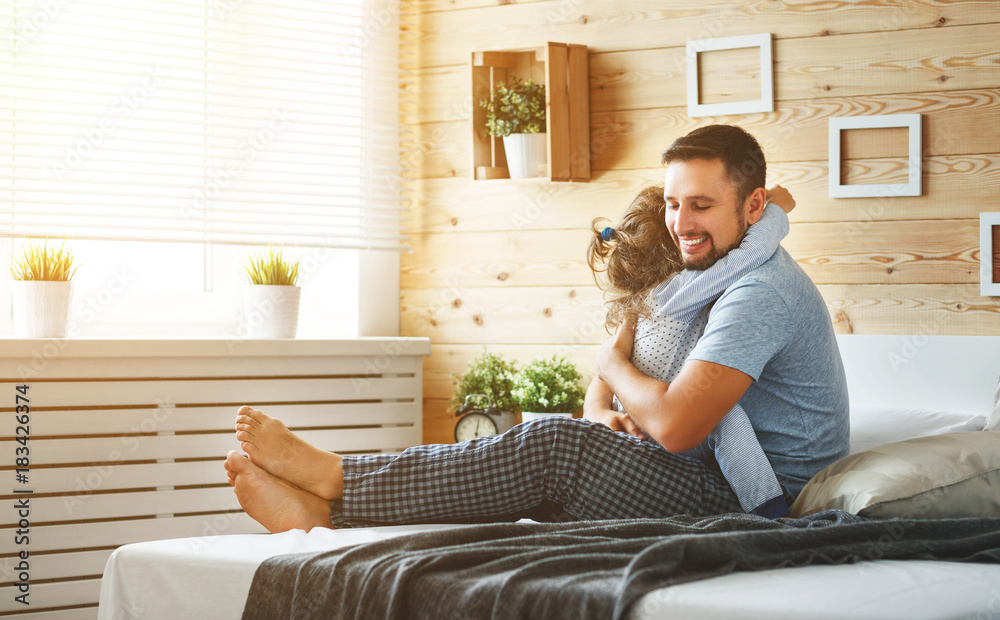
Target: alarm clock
<point>477,421</point>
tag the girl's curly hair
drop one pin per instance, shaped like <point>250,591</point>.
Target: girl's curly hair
<point>639,255</point>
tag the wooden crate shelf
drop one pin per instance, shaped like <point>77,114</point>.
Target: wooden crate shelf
<point>562,68</point>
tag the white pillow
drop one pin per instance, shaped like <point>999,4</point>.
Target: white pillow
<point>993,422</point>
<point>873,426</point>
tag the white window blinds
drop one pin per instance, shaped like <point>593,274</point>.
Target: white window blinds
<point>201,121</point>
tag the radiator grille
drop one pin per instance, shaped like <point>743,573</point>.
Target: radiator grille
<point>127,440</point>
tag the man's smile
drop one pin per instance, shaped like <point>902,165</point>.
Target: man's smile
<point>693,244</point>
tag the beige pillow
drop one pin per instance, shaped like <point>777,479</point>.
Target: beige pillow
<point>950,475</point>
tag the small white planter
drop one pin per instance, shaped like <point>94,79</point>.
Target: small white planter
<point>526,156</point>
<point>527,416</point>
<point>270,311</point>
<point>41,308</point>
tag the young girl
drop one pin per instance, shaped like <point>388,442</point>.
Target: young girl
<point>644,280</point>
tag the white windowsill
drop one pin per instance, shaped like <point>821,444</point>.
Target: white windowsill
<point>15,348</point>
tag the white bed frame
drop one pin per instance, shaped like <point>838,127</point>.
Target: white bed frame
<point>954,373</point>
<point>941,373</point>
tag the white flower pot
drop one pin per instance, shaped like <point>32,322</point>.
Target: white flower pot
<point>526,156</point>
<point>527,416</point>
<point>270,311</point>
<point>41,308</point>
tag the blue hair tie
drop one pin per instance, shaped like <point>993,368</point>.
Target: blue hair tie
<point>607,233</point>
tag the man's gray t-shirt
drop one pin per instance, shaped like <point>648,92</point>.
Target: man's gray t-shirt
<point>773,325</point>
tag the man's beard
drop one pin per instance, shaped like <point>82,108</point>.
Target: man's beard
<point>704,261</point>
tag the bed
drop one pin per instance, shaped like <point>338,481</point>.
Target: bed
<point>902,388</point>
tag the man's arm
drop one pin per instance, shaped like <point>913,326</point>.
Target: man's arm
<point>678,415</point>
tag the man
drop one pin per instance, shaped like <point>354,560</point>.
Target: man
<point>768,344</point>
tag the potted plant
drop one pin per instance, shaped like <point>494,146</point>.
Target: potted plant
<point>516,113</point>
<point>271,297</point>
<point>42,291</point>
<point>548,387</point>
<point>492,377</point>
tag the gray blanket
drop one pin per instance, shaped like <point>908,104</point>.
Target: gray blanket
<point>595,569</point>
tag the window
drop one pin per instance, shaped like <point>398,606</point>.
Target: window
<point>162,138</point>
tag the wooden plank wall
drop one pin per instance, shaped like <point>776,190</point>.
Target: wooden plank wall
<point>501,263</point>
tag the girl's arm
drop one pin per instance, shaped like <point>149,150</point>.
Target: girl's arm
<point>597,407</point>
<point>683,296</point>
<point>781,197</point>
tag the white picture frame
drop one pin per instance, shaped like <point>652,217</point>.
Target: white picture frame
<point>868,190</point>
<point>987,287</point>
<point>766,101</point>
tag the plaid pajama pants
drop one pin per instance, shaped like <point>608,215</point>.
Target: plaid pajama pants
<point>552,469</point>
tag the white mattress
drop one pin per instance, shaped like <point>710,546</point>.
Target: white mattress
<point>210,578</point>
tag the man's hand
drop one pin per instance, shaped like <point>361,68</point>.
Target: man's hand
<point>781,197</point>
<point>617,349</point>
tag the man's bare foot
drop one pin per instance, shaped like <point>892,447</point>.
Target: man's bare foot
<point>280,452</point>
<point>272,502</point>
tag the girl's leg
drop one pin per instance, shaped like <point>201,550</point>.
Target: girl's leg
<point>745,466</point>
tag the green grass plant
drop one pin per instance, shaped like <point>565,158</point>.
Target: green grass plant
<point>44,263</point>
<point>272,268</point>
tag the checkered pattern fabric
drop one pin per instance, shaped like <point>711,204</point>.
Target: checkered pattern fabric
<point>549,469</point>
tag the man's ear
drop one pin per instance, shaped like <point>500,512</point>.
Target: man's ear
<point>754,205</point>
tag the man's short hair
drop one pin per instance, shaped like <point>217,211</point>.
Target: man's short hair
<point>739,151</point>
